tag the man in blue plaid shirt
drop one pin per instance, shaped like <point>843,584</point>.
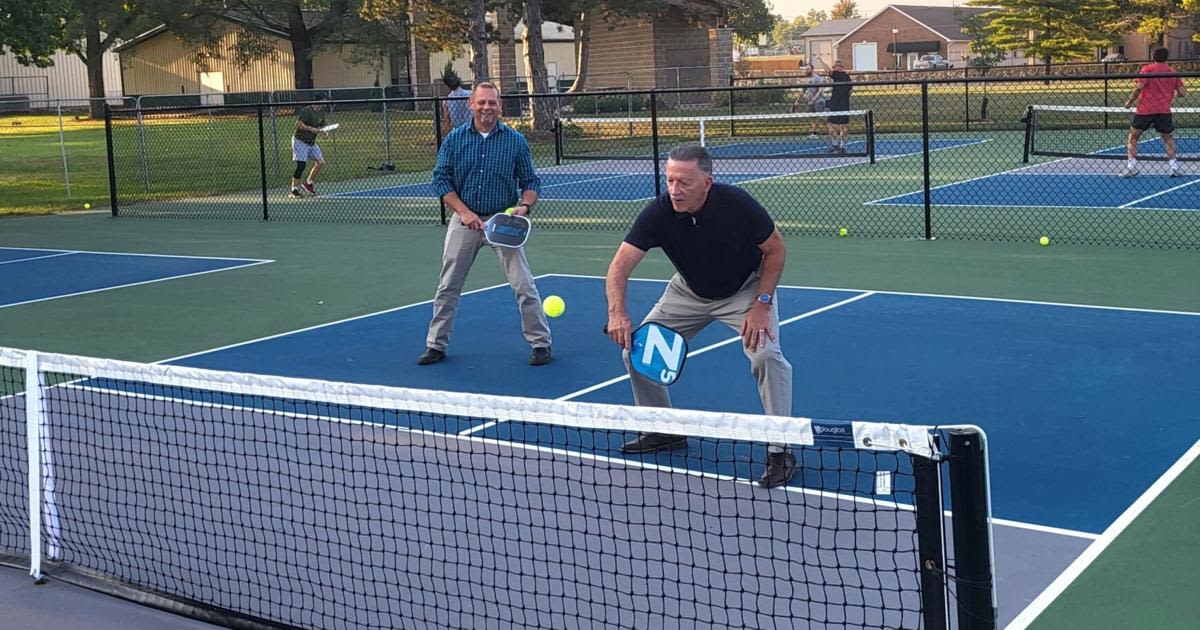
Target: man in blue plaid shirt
<point>480,169</point>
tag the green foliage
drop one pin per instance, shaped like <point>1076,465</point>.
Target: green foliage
<point>1052,30</point>
<point>750,18</point>
<point>844,10</point>
<point>28,30</point>
<point>984,52</point>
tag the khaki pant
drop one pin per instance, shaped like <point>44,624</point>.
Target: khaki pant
<point>461,247</point>
<point>688,313</point>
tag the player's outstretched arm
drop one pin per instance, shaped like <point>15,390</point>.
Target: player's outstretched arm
<point>615,284</point>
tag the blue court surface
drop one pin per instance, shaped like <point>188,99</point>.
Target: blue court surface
<point>1051,384</point>
<point>633,180</point>
<point>1063,190</point>
<point>33,275</point>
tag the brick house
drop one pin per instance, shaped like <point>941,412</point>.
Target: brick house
<point>896,36</point>
<point>820,40</point>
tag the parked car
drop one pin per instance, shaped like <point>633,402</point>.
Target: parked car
<point>931,62</point>
<point>1114,58</point>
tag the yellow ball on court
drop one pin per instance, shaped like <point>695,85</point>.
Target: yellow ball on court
<point>554,306</point>
<point>87,206</point>
<point>1045,240</point>
<point>843,232</point>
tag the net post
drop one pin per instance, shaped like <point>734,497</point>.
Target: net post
<point>1028,134</point>
<point>925,158</point>
<point>33,439</point>
<point>112,165</point>
<point>871,135</point>
<point>969,502</point>
<point>703,133</point>
<point>387,130</point>
<point>931,549</point>
<point>558,148</point>
<point>262,159</point>
<point>654,141</point>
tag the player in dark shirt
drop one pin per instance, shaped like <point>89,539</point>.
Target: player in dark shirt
<point>839,101</point>
<point>729,257</point>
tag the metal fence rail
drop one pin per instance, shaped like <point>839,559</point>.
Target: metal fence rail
<point>948,159</point>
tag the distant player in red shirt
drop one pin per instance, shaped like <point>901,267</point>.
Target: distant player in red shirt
<point>1153,97</point>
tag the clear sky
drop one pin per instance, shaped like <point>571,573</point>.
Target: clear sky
<point>795,8</point>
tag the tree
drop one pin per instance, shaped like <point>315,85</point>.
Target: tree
<point>535,66</point>
<point>27,33</point>
<point>749,19</point>
<point>1154,18</point>
<point>984,52</point>
<point>844,10</point>
<point>1048,29</point>
<point>85,28</point>
<point>327,23</point>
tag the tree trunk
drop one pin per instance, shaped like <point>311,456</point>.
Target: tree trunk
<point>583,31</point>
<point>302,48</point>
<point>477,35</point>
<point>535,67</point>
<point>94,58</point>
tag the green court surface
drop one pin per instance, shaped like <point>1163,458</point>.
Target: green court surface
<point>327,272</point>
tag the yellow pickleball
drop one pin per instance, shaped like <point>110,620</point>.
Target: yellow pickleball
<point>87,206</point>
<point>843,232</point>
<point>1045,240</point>
<point>554,306</point>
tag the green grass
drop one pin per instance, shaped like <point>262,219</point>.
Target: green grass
<point>31,165</point>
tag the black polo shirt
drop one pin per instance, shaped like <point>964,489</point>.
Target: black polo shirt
<point>715,249</point>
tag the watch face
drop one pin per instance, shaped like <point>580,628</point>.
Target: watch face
<point>765,298</point>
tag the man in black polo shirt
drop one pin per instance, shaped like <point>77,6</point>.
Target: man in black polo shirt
<point>729,258</point>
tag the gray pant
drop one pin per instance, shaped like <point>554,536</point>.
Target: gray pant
<point>688,313</point>
<point>461,247</point>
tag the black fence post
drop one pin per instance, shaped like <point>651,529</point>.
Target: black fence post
<point>732,106</point>
<point>437,143</point>
<point>925,156</point>
<point>1105,65</point>
<point>654,141</point>
<point>112,166</point>
<point>966,102</point>
<point>262,160</point>
<point>973,571</point>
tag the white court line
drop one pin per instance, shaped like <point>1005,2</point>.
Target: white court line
<point>100,253</point>
<point>949,296</point>
<point>324,325</point>
<point>693,353</point>
<point>1089,555</point>
<point>21,260</point>
<point>135,284</point>
<point>1157,194</point>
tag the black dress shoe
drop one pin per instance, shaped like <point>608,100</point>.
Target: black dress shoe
<point>540,356</point>
<point>780,469</point>
<point>650,442</point>
<point>431,355</point>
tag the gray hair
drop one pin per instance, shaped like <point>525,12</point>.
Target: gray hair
<point>692,152</point>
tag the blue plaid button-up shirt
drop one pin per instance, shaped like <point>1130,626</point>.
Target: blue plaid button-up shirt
<point>489,173</point>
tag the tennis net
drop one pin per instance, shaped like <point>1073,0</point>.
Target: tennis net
<point>257,501</point>
<point>1101,133</point>
<point>742,136</point>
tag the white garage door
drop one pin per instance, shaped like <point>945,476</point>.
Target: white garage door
<point>865,57</point>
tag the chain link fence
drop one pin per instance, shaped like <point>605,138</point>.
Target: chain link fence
<point>985,159</point>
